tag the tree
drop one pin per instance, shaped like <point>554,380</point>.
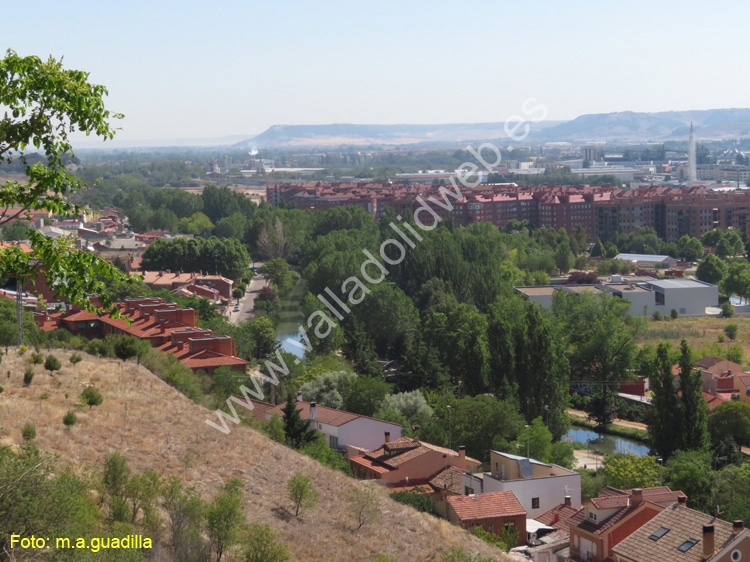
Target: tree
<point>224,516</point>
<point>279,275</point>
<point>44,103</point>
<point>262,545</point>
<point>694,430</point>
<point>297,430</point>
<point>564,258</point>
<point>730,419</point>
<point>418,498</point>
<point>126,347</point>
<point>18,230</point>
<point>665,427</point>
<point>731,331</point>
<point>737,280</point>
<point>690,471</point>
<point>689,248</point>
<point>301,493</point>
<point>267,301</point>
<point>275,429</point>
<point>52,363</point>
<point>364,504</point>
<point>711,269</point>
<point>8,334</point>
<point>629,471</point>
<point>535,439</point>
<point>91,397</point>
<point>363,395</point>
<point>598,250</point>
<point>28,432</point>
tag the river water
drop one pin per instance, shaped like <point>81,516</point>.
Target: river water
<point>605,443</point>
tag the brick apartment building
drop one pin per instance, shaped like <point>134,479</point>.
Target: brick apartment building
<point>601,210</point>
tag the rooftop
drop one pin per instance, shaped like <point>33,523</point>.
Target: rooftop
<point>486,506</point>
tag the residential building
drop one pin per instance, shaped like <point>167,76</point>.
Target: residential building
<point>341,429</point>
<point>492,512</point>
<point>604,521</point>
<point>681,534</point>
<point>648,260</point>
<point>408,462</point>
<point>171,281</point>
<point>537,485</point>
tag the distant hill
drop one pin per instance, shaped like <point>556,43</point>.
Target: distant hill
<point>154,426</point>
<point>626,126</point>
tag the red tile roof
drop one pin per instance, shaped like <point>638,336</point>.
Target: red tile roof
<point>486,506</point>
<point>449,480</point>
<point>326,415</point>
<point>609,502</point>
<point>370,464</point>
<point>558,516</point>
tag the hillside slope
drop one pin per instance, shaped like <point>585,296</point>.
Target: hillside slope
<point>153,425</point>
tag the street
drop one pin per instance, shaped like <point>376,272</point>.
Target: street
<point>247,302</point>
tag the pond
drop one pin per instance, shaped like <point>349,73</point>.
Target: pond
<point>605,443</point>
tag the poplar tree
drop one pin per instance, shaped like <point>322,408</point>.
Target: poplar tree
<point>297,430</point>
<point>665,426</point>
<point>694,407</point>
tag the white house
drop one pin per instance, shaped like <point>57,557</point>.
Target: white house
<point>340,428</point>
<point>538,486</point>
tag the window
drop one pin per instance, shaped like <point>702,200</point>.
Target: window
<point>534,503</point>
<point>687,545</point>
<point>659,533</point>
<point>490,528</point>
<point>736,556</point>
<point>468,491</point>
<point>509,526</point>
<point>592,515</point>
<point>333,442</point>
<point>659,297</point>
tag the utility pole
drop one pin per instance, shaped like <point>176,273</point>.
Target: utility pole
<point>19,309</point>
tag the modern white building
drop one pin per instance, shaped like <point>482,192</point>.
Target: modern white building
<point>538,486</point>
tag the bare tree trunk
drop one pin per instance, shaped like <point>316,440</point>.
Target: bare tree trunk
<point>19,309</point>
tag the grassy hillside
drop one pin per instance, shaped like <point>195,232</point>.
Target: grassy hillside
<point>153,425</point>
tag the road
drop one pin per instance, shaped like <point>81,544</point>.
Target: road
<point>247,302</point>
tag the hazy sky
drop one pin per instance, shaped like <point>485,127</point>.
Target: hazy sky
<point>196,70</point>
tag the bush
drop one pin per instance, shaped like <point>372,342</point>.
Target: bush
<point>319,450</point>
<point>91,397</point>
<point>262,545</point>
<point>731,331</point>
<point>727,310</point>
<point>301,492</point>
<point>75,359</point>
<point>37,358</point>
<point>418,498</point>
<point>460,554</point>
<point>364,505</point>
<point>28,432</point>
<point>1,389</point>
<point>23,349</point>
<point>28,375</point>
<point>674,314</point>
<point>70,418</point>
<point>656,315</point>
<point>52,364</point>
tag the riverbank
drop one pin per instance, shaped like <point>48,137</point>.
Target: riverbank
<point>622,428</point>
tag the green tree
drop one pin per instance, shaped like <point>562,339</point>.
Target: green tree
<point>564,258</point>
<point>224,517</point>
<point>598,250</point>
<point>730,420</point>
<point>364,505</point>
<point>535,439</point>
<point>711,269</point>
<point>52,364</point>
<point>297,430</point>
<point>364,395</point>
<point>629,471</point>
<point>737,280</point>
<point>18,230</point>
<point>43,103</point>
<point>70,418</point>
<point>127,347</point>
<point>301,493</point>
<point>91,397</point>
<point>694,430</point>
<point>28,432</point>
<point>690,471</point>
<point>731,331</point>
<point>262,545</point>
<point>232,226</point>
<point>419,498</point>
<point>275,429</point>
<point>665,426</point>
<point>279,275</point>
<point>689,248</point>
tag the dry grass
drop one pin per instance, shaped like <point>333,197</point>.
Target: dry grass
<point>700,332</point>
<point>153,425</point>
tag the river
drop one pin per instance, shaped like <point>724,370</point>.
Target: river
<point>604,442</point>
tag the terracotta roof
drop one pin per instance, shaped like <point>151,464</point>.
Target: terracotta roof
<point>449,480</point>
<point>82,316</point>
<point>658,494</point>
<point>370,464</point>
<point>260,408</point>
<point>558,516</point>
<point>683,524</point>
<point>326,415</point>
<point>610,502</point>
<point>485,506</point>
<point>25,248</point>
<point>207,358</point>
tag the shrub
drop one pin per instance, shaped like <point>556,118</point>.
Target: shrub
<point>23,349</point>
<point>418,498</point>
<point>1,389</point>
<point>37,358</point>
<point>262,545</point>
<point>300,491</point>
<point>731,331</point>
<point>52,364</point>
<point>460,554</point>
<point>735,354</point>
<point>656,315</point>
<point>28,432</point>
<point>28,375</point>
<point>91,397</point>
<point>44,396</point>
<point>674,314</point>
<point>70,418</point>
<point>727,310</point>
<point>364,505</point>
<point>75,359</point>
<point>319,450</point>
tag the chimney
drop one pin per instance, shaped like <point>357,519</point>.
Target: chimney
<point>387,436</point>
<point>313,411</point>
<point>737,526</point>
<point>708,541</point>
<point>682,500</point>
<point>299,397</point>
<point>462,452</point>
<point>567,500</point>
<point>637,495</point>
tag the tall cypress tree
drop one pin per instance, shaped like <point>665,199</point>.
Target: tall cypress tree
<point>664,428</point>
<point>297,430</point>
<point>694,407</point>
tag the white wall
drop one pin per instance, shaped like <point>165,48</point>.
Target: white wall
<point>367,433</point>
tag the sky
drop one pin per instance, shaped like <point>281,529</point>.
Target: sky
<point>209,70</point>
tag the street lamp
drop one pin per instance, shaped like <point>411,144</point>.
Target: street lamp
<point>450,428</point>
<point>546,410</point>
<point>722,458</point>
<point>528,437</point>
<point>596,458</point>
